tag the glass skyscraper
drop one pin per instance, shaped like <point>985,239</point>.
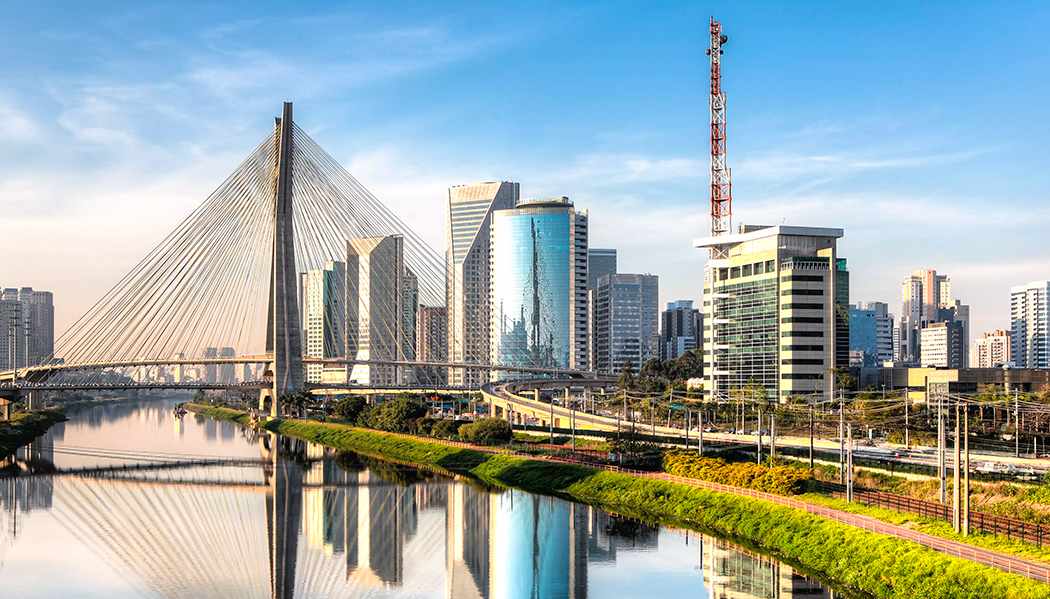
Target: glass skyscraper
<point>539,285</point>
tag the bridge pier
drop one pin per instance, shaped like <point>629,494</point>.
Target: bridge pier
<point>34,400</point>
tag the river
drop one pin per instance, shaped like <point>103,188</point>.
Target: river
<point>149,505</point>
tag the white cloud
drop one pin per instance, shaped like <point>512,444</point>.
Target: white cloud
<point>15,125</point>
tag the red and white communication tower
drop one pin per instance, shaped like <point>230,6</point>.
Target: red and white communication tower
<point>721,188</point>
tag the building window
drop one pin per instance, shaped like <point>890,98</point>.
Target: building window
<point>746,271</point>
<point>803,319</point>
<point>801,376</point>
<point>796,306</point>
<point>771,265</point>
<point>802,292</point>
<point>734,272</point>
<point>802,362</point>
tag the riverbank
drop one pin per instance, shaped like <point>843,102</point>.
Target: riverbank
<point>26,427</point>
<point>873,564</point>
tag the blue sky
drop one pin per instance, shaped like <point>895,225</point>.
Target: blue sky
<point>919,128</point>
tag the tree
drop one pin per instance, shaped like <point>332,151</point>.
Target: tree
<point>393,416</point>
<point>486,431</point>
<point>349,408</point>
<point>626,381</point>
<point>444,429</point>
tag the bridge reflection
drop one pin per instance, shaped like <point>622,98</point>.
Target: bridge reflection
<point>304,521</point>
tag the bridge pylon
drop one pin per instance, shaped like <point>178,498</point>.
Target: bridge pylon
<point>283,337</point>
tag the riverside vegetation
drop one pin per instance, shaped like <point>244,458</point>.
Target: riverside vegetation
<point>25,427</point>
<point>875,565</point>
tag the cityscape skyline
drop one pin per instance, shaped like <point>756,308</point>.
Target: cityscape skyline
<point>104,118</point>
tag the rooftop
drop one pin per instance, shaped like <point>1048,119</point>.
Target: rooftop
<point>753,232</point>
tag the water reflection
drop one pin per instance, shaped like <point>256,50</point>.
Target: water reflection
<point>303,521</point>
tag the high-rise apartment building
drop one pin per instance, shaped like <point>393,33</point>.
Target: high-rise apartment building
<point>991,350</point>
<point>884,329</point>
<point>776,311</point>
<point>538,301</point>
<point>942,345</point>
<point>926,298</point>
<point>680,326</point>
<point>27,325</point>
<point>432,344</point>
<point>1029,330</point>
<point>227,372</point>
<point>324,296</point>
<point>625,321</point>
<point>467,238</point>
<point>600,262</point>
<point>375,311</point>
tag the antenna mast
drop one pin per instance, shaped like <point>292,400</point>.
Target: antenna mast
<point>721,188</point>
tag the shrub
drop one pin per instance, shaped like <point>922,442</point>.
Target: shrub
<point>445,429</point>
<point>782,480</point>
<point>486,431</point>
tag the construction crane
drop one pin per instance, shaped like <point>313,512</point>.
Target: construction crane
<point>721,187</point>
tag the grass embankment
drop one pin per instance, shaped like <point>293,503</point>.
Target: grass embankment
<point>26,427</point>
<point>874,564</point>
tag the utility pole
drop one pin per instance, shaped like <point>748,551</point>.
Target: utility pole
<point>842,442</point>
<point>759,431</point>
<point>772,435</point>
<point>956,506</point>
<point>849,465</point>
<point>688,422</point>
<point>1017,425</point>
<point>966,466</point>
<point>907,409</point>
<point>552,418</point>
<point>810,436</point>
<point>700,431</point>
<point>941,467</point>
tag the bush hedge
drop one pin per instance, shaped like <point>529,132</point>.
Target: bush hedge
<point>782,480</point>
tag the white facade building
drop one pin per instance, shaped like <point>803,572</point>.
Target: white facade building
<point>1029,308</point>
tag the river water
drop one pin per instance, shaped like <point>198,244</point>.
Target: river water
<point>149,505</point>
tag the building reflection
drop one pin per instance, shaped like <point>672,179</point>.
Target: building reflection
<point>314,523</point>
<point>734,573</point>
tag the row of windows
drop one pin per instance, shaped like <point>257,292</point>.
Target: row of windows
<point>802,334</point>
<point>803,278</point>
<point>802,362</point>
<point>802,292</point>
<point>747,270</point>
<point>802,307</point>
<point>803,319</point>
<point>802,347</point>
<point>803,376</point>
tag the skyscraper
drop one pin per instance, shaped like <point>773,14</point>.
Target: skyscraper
<point>778,308</point>
<point>467,255</point>
<point>376,314</point>
<point>680,325</point>
<point>884,328</point>
<point>991,350</point>
<point>1029,330</point>
<point>942,345</point>
<point>600,262</point>
<point>625,321</point>
<point>27,327</point>
<point>863,349</point>
<point>432,344</point>
<point>926,298</point>
<point>324,315</point>
<point>539,285</point>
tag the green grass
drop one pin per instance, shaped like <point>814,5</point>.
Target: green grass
<point>877,565</point>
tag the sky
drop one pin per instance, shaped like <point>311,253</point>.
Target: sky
<point>918,128</point>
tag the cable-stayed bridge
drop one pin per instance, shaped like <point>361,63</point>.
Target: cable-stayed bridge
<point>291,275</point>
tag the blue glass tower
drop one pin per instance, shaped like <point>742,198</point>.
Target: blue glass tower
<point>539,286</point>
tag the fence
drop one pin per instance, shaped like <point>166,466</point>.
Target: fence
<point>1029,532</point>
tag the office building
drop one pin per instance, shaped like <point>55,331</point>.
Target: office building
<point>776,313</point>
<point>1029,309</point>
<point>27,327</point>
<point>432,344</point>
<point>680,326</point>
<point>211,370</point>
<point>863,350</point>
<point>926,298</point>
<point>884,329</point>
<point>227,372</point>
<point>467,239</point>
<point>991,350</point>
<point>942,345</point>
<point>376,314</point>
<point>625,321</point>
<point>539,286</point>
<point>323,304</point>
<point>600,262</point>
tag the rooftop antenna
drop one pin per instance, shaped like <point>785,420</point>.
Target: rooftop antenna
<point>721,188</point>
